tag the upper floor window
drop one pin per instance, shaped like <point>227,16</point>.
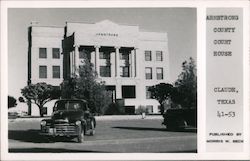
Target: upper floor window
<point>148,93</point>
<point>159,73</point>
<point>56,71</point>
<point>56,53</point>
<point>148,72</point>
<point>159,56</point>
<point>42,71</point>
<point>148,56</point>
<point>42,53</point>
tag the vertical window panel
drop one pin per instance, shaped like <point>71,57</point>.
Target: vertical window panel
<point>148,93</point>
<point>148,73</point>
<point>56,71</point>
<point>42,53</point>
<point>148,56</point>
<point>159,56</point>
<point>159,73</point>
<point>42,71</point>
<point>56,53</point>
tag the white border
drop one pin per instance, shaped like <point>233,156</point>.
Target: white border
<point>201,61</point>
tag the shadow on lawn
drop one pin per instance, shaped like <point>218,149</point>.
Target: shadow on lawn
<point>50,150</point>
<point>194,130</point>
<point>33,136</point>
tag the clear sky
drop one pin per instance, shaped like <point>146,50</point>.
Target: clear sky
<point>179,23</point>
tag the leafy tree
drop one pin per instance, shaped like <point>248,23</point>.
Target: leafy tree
<point>184,91</point>
<point>11,101</point>
<point>40,94</point>
<point>161,92</point>
<point>84,85</point>
<point>68,88</point>
<point>186,85</point>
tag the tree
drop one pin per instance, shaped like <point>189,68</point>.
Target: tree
<point>40,94</point>
<point>186,85</point>
<point>161,92</point>
<point>11,101</point>
<point>85,86</point>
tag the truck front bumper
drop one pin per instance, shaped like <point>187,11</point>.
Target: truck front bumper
<point>60,130</point>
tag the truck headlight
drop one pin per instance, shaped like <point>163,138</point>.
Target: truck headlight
<point>78,123</point>
<point>43,123</point>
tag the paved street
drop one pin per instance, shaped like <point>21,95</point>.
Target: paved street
<point>128,135</point>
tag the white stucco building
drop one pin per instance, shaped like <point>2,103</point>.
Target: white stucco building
<point>127,58</point>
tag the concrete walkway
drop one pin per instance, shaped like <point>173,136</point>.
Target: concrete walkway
<point>98,118</point>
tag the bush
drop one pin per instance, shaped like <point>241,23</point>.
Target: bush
<point>11,102</point>
<point>114,109</point>
<point>141,109</point>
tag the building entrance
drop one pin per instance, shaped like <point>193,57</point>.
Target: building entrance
<point>130,110</point>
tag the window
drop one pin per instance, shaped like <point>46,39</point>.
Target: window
<point>56,53</point>
<point>148,93</point>
<point>159,56</point>
<point>128,91</point>
<point>42,71</point>
<point>56,71</point>
<point>148,56</point>
<point>148,72</point>
<point>43,53</point>
<point>125,71</point>
<point>159,109</point>
<point>149,109</point>
<point>105,71</point>
<point>159,73</point>
<point>130,110</point>
<point>104,55</point>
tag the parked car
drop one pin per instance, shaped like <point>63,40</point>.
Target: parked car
<point>12,115</point>
<point>70,118</point>
<point>180,118</point>
<point>16,112</point>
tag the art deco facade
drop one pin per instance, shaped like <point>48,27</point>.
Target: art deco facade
<point>128,59</point>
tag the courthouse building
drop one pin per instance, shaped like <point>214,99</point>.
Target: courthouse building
<point>126,57</point>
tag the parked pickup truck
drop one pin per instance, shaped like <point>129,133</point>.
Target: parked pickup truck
<point>180,118</point>
<point>70,118</point>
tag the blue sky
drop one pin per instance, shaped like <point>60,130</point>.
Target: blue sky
<point>179,23</point>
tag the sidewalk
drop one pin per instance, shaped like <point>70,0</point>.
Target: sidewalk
<point>98,118</point>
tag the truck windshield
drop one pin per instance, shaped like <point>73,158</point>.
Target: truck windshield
<point>68,105</point>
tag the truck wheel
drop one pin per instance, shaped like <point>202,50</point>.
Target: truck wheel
<point>49,139</point>
<point>182,124</point>
<point>80,137</point>
<point>92,128</point>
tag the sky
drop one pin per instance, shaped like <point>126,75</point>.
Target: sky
<point>179,23</point>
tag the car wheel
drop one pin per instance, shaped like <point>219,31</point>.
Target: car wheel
<point>80,137</point>
<point>92,128</point>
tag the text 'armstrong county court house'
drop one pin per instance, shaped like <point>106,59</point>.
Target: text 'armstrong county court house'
<point>127,59</point>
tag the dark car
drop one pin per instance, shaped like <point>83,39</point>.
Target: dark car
<point>180,118</point>
<point>70,118</point>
